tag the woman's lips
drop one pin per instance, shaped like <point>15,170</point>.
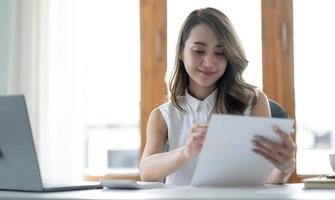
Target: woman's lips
<point>207,73</point>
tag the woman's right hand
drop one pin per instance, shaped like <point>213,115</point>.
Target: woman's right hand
<point>195,140</point>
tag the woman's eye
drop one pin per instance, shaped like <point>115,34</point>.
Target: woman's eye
<point>199,51</point>
<point>219,53</point>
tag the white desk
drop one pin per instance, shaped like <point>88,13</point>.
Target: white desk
<point>290,191</point>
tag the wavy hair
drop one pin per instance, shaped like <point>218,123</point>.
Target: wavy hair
<point>234,94</point>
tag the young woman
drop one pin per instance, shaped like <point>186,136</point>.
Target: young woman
<point>207,79</point>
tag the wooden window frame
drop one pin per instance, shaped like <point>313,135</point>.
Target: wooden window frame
<point>153,59</point>
<point>277,43</point>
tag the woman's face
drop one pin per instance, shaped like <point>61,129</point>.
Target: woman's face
<point>203,57</point>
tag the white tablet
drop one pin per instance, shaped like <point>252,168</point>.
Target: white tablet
<point>227,158</point>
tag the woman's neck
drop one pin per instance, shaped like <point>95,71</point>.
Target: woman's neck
<point>200,93</point>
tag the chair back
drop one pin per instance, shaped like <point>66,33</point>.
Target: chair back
<point>277,110</point>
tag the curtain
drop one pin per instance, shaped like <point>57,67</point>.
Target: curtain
<point>42,66</point>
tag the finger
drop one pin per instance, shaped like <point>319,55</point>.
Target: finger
<point>266,141</point>
<point>270,159</point>
<point>288,151</point>
<point>200,127</point>
<point>194,135</point>
<point>194,127</point>
<point>277,159</point>
<point>287,140</point>
<point>287,167</point>
<point>269,152</point>
<point>259,146</point>
<point>292,145</point>
<point>202,124</point>
<point>276,147</point>
<point>197,126</point>
<point>198,139</point>
<point>277,163</point>
<point>200,130</point>
<point>198,133</point>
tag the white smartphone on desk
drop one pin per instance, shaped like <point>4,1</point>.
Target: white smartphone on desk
<point>129,184</point>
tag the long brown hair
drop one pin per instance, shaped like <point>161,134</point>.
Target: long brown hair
<point>234,94</point>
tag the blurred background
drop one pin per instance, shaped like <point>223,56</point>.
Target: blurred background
<point>92,71</point>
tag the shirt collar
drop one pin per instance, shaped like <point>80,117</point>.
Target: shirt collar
<point>194,102</point>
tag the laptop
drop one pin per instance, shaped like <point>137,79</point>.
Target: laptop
<point>19,168</point>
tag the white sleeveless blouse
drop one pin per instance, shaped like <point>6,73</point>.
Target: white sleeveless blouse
<point>179,124</point>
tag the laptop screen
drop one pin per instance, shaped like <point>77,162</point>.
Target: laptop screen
<point>19,169</point>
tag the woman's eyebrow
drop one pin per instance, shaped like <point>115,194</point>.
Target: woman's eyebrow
<point>200,43</point>
<point>204,44</point>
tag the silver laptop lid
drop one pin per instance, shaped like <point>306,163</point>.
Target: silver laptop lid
<point>19,169</point>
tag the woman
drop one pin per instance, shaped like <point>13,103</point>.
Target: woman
<point>207,79</point>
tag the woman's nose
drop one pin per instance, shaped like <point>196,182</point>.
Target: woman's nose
<point>208,61</point>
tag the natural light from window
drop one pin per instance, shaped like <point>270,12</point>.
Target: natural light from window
<point>314,44</point>
<point>108,45</point>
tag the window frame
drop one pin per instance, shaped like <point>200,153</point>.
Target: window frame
<point>278,65</point>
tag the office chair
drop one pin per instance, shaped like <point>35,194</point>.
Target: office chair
<point>277,110</point>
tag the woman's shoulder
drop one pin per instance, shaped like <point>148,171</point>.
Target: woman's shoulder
<point>165,104</point>
<point>155,113</point>
<point>261,108</point>
<point>163,112</point>
<point>260,94</point>
<point>165,107</point>
<point>169,105</point>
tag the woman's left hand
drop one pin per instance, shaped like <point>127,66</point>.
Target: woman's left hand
<point>281,155</point>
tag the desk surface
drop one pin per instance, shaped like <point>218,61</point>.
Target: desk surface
<point>289,191</point>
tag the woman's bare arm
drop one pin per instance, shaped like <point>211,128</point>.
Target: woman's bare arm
<point>156,164</point>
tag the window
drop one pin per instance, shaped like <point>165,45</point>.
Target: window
<point>93,83</point>
<point>313,56</point>
<point>108,46</point>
